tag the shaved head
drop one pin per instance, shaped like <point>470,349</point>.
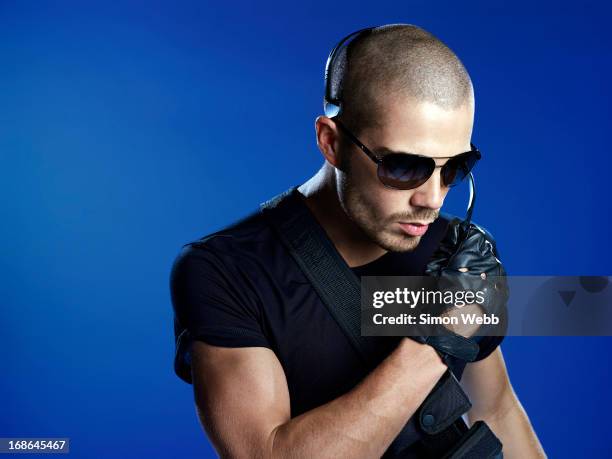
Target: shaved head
<point>397,63</point>
<point>400,90</point>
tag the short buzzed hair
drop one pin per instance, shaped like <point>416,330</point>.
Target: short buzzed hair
<point>397,61</point>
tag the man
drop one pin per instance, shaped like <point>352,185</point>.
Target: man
<point>273,374</point>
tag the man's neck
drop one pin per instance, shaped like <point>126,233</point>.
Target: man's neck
<point>321,197</point>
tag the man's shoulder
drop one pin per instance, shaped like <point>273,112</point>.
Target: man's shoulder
<point>250,234</point>
<point>244,235</point>
<point>245,246</point>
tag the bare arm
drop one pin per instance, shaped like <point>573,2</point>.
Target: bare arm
<point>494,401</point>
<point>242,400</point>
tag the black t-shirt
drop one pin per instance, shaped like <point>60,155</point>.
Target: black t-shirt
<point>240,287</point>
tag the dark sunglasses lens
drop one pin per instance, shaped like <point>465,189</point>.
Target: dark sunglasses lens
<point>456,169</point>
<point>404,172</point>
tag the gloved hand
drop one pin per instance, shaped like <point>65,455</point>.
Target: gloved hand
<point>467,263</point>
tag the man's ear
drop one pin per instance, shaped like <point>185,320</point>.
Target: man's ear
<point>328,140</point>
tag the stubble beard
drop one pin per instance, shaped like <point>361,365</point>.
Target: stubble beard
<point>377,228</point>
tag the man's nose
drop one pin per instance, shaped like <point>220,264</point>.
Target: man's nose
<point>430,194</point>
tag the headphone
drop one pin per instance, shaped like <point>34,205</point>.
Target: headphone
<point>335,68</point>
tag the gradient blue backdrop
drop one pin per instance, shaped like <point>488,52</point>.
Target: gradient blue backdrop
<point>129,130</point>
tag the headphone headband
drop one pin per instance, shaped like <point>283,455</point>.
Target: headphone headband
<point>335,69</point>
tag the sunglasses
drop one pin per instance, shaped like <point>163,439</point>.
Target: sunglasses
<point>405,171</point>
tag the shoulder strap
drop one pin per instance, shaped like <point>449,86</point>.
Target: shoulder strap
<point>439,417</point>
<point>317,257</point>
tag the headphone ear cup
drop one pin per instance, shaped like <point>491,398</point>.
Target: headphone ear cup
<point>335,74</point>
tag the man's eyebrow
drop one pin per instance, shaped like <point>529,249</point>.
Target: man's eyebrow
<point>381,151</point>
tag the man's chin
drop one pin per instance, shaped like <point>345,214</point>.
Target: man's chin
<point>399,243</point>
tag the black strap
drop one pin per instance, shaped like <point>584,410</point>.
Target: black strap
<point>317,257</point>
<point>439,417</point>
<point>478,443</point>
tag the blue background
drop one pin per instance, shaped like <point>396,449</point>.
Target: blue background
<point>129,130</point>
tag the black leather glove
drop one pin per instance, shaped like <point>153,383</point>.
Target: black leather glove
<point>467,263</point>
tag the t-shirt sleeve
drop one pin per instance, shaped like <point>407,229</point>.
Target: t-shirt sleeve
<point>487,345</point>
<point>212,303</point>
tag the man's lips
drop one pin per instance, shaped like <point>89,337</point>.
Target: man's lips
<point>414,228</point>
